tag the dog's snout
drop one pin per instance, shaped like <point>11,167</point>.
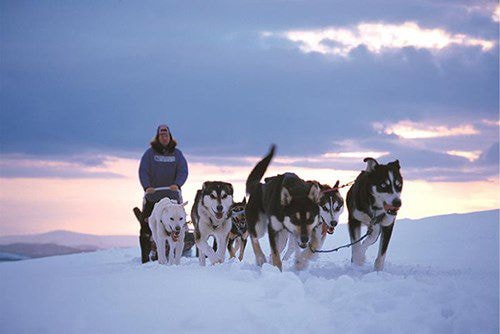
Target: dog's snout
<point>219,208</point>
<point>177,228</point>
<point>334,223</point>
<point>396,203</point>
<point>304,239</point>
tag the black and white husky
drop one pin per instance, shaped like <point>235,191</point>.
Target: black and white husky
<point>285,204</point>
<point>331,206</point>
<point>374,200</point>
<point>211,217</point>
<point>239,231</point>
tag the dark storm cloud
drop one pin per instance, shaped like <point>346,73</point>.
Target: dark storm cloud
<point>101,76</point>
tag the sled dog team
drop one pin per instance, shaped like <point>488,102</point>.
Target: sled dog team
<point>291,210</point>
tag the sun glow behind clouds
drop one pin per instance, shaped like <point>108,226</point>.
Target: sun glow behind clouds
<point>413,130</point>
<point>378,37</point>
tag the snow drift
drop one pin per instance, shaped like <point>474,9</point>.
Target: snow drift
<point>441,276</point>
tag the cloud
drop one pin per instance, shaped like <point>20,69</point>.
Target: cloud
<point>377,38</point>
<point>413,130</point>
<point>469,155</point>
<point>495,16</point>
<point>70,167</point>
<point>490,157</point>
<point>355,155</point>
<point>490,122</point>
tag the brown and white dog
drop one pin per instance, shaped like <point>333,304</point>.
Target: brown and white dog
<point>238,235</point>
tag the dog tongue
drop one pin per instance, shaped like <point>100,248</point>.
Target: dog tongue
<point>388,207</point>
<point>219,215</point>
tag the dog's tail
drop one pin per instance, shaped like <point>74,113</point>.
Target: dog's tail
<point>258,171</point>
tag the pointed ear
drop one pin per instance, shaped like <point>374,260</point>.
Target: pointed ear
<point>371,164</point>
<point>336,184</point>
<point>204,186</point>
<point>314,193</point>
<point>286,198</point>
<point>185,203</point>
<point>395,164</point>
<point>244,200</point>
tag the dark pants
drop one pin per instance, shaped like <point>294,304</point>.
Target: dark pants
<point>145,231</point>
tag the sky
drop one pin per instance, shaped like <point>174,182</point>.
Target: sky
<point>84,85</point>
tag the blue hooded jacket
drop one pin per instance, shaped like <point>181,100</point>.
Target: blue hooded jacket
<point>162,170</point>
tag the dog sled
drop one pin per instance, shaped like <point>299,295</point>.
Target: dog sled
<point>145,233</point>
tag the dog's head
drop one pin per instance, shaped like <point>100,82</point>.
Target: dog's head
<point>238,216</point>
<point>331,205</point>
<point>172,216</point>
<point>217,197</point>
<point>386,184</point>
<point>300,201</point>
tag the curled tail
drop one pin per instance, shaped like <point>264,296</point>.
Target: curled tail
<point>258,171</point>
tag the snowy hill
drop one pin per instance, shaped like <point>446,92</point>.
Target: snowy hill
<point>21,247</point>
<point>441,276</point>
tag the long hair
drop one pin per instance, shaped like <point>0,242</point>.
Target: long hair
<point>158,147</point>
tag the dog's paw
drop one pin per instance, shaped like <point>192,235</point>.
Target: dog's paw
<point>260,260</point>
<point>358,259</point>
<point>301,264</point>
<point>379,265</point>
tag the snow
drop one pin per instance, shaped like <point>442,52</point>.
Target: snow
<point>73,239</point>
<point>441,276</point>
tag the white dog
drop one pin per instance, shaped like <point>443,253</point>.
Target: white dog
<point>168,222</point>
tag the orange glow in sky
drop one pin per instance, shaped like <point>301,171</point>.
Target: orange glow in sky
<point>104,206</point>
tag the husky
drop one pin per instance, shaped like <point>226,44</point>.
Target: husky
<point>285,204</point>
<point>211,217</point>
<point>331,206</point>
<point>238,235</point>
<point>168,223</point>
<point>374,200</point>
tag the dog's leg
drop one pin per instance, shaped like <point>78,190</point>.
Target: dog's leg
<point>171,251</point>
<point>276,258</point>
<point>160,245</point>
<point>260,258</point>
<point>355,233</point>
<point>292,247</point>
<point>201,256</point>
<point>370,240</point>
<point>385,237</point>
<point>179,247</point>
<point>205,249</point>
<point>221,239</point>
<point>235,245</point>
<point>243,245</point>
<point>303,258</point>
<point>231,246</point>
<point>282,238</point>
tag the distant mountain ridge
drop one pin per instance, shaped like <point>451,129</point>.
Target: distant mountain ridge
<point>73,239</point>
<point>20,247</point>
<point>60,242</point>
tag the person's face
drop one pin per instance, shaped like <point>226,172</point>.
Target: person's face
<point>164,136</point>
